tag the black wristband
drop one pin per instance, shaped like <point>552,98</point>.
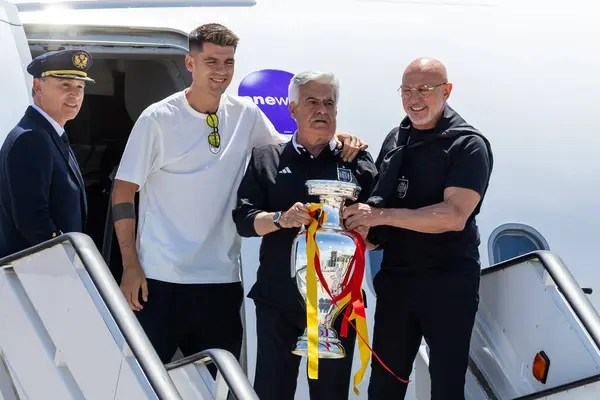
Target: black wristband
<point>123,211</point>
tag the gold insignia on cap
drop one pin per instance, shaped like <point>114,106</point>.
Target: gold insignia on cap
<point>80,60</point>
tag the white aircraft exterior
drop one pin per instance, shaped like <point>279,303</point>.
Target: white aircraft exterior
<point>525,73</point>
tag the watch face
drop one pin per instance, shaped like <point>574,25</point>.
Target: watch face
<point>276,219</point>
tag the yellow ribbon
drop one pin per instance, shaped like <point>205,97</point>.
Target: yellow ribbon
<point>312,320</point>
<point>365,353</point>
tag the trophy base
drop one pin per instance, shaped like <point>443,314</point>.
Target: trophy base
<point>329,346</point>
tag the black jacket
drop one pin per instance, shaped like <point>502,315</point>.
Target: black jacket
<point>414,169</point>
<point>41,188</point>
<point>275,180</point>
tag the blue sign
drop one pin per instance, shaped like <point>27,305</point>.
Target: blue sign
<point>268,89</point>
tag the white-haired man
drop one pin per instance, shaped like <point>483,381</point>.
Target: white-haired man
<point>271,201</point>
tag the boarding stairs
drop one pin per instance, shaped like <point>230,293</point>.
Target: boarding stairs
<point>66,332</point>
<point>536,335</point>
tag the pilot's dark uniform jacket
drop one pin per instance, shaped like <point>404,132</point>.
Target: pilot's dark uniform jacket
<point>428,283</point>
<point>42,192</point>
<point>274,181</point>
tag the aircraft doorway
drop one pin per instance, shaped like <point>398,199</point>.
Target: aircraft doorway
<point>126,83</point>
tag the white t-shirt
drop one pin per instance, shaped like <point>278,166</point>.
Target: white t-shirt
<point>186,232</point>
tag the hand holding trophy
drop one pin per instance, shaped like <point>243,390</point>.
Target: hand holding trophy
<point>328,263</point>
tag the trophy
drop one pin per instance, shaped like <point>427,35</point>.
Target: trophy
<point>336,247</point>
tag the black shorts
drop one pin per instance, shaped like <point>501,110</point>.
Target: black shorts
<point>192,317</point>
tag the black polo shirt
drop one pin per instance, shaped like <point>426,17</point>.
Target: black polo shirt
<point>275,180</point>
<point>451,154</point>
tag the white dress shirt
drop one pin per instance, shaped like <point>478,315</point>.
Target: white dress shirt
<point>59,129</point>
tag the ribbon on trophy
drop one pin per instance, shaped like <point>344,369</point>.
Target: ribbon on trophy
<point>350,295</point>
<point>312,321</point>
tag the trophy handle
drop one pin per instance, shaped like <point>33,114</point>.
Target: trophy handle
<point>342,220</point>
<point>293,257</point>
<point>295,245</point>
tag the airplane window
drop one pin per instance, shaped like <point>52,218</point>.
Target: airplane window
<point>512,240</point>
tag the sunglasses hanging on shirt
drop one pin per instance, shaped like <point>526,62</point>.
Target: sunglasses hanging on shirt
<point>214,139</point>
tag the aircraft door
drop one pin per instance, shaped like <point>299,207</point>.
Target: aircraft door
<point>37,5</point>
<point>15,82</point>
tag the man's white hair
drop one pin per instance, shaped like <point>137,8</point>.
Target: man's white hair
<point>305,77</point>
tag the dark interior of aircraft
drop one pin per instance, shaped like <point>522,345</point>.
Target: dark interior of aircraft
<point>98,136</point>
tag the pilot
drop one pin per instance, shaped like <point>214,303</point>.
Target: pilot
<point>434,171</point>
<point>271,201</point>
<point>42,192</point>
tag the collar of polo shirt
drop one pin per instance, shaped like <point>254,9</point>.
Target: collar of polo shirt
<point>299,147</point>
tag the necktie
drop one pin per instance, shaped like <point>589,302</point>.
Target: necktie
<point>65,139</point>
<point>75,167</point>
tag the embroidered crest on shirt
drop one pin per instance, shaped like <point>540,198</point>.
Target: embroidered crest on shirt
<point>402,187</point>
<point>344,174</point>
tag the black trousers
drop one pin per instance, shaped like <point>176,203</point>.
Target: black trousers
<point>193,317</point>
<point>277,367</point>
<point>437,305</point>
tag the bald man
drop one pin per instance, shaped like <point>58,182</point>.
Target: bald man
<point>434,170</point>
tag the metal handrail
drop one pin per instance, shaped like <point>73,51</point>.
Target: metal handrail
<point>566,283</point>
<point>225,361</point>
<point>127,322</point>
<point>153,368</point>
<point>574,295</point>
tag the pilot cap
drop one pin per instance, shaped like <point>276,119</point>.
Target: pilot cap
<point>65,64</point>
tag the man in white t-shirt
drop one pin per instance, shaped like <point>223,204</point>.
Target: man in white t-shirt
<point>186,156</point>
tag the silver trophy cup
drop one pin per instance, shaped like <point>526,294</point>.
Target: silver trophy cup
<point>336,248</point>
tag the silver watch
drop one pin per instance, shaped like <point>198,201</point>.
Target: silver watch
<point>276,218</point>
